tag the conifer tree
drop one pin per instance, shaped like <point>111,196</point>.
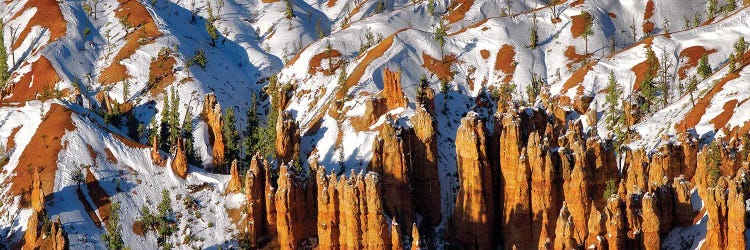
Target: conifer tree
<point>648,88</point>
<point>113,234</point>
<point>231,136</point>
<point>251,131</point>
<point>187,134</point>
<point>174,117</point>
<point>164,125</point>
<point>4,74</point>
<point>588,28</point>
<point>704,69</point>
<point>533,37</point>
<point>612,100</point>
<point>691,87</point>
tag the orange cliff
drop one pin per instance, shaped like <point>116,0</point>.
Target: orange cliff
<point>213,114</point>
<point>474,213</point>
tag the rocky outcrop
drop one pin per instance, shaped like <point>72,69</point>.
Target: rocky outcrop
<point>213,114</point>
<point>725,204</point>
<point>328,210</point>
<point>515,179</point>
<point>546,195</point>
<point>235,184</point>
<point>32,233</point>
<point>576,189</point>
<point>565,230</point>
<point>426,193</point>
<point>736,215</point>
<point>416,241</point>
<point>396,242</point>
<point>179,164</point>
<point>392,92</point>
<point>255,201</point>
<point>155,154</point>
<point>389,154</point>
<point>58,240</point>
<point>472,223</point>
<point>716,207</point>
<point>37,194</point>
<point>295,213</point>
<point>616,223</point>
<point>683,208</point>
<point>287,138</point>
<point>651,226</point>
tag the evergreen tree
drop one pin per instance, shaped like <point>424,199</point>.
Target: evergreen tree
<point>691,87</point>
<point>648,88</point>
<point>533,37</point>
<point>251,133</point>
<point>612,100</point>
<point>174,117</point>
<point>441,31</point>
<point>164,125</point>
<point>187,134</point>
<point>711,8</point>
<point>113,234</point>
<point>588,28</point>
<point>704,69</point>
<point>289,10</point>
<point>210,28</point>
<point>4,74</point>
<point>231,136</point>
<point>740,47</point>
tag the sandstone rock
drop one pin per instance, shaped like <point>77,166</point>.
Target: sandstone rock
<point>576,190</point>
<point>546,195</point>
<point>636,176</point>
<point>565,230</point>
<point>328,210</point>
<point>376,229</point>
<point>616,224</point>
<point>155,154</point>
<point>255,201</point>
<point>179,164</point>
<point>295,209</point>
<point>651,222</point>
<point>736,218</point>
<point>287,138</point>
<point>37,194</point>
<point>426,193</point>
<point>516,180</point>
<point>472,224</point>
<point>392,92</point>
<point>683,208</point>
<point>396,242</point>
<point>235,184</point>
<point>270,198</point>
<point>716,207</point>
<point>394,169</point>
<point>416,241</point>
<point>57,236</point>
<point>32,233</point>
<point>212,112</point>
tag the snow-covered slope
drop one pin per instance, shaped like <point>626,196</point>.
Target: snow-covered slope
<point>329,51</point>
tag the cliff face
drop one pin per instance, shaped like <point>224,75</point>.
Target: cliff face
<point>426,184</point>
<point>179,164</point>
<point>235,183</point>
<point>287,138</point>
<point>295,213</point>
<point>474,213</point>
<point>515,179</point>
<point>392,165</point>
<point>392,91</point>
<point>255,201</point>
<point>212,112</point>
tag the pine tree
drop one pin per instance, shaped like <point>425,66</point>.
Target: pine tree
<point>164,125</point>
<point>289,10</point>
<point>648,88</point>
<point>4,74</point>
<point>691,87</point>
<point>612,100</point>
<point>187,135</point>
<point>711,9</point>
<point>740,47</point>
<point>231,136</point>
<point>250,133</point>
<point>533,37</point>
<point>588,28</point>
<point>113,234</point>
<point>704,69</point>
<point>210,28</point>
<point>174,117</point>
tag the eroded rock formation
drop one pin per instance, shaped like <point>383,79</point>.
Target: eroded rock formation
<point>212,112</point>
<point>235,183</point>
<point>179,164</point>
